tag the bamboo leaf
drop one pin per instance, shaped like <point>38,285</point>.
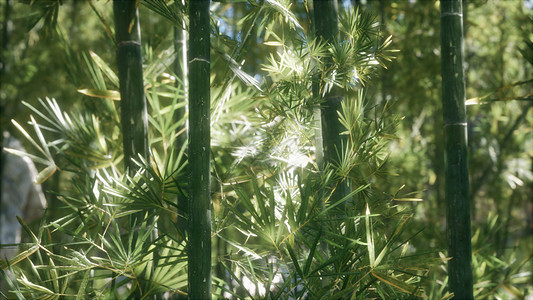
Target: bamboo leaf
<point>254,278</point>
<point>245,77</point>
<point>53,274</point>
<point>40,113</point>
<point>28,230</point>
<point>105,68</point>
<point>104,22</point>
<point>344,199</point>
<point>24,154</point>
<point>392,281</point>
<point>370,238</point>
<point>273,44</point>
<point>312,251</point>
<point>447,296</point>
<point>408,199</point>
<point>247,201</point>
<point>106,94</point>
<point>45,174</point>
<point>21,256</point>
<point>381,255</point>
<point>94,73</point>
<point>163,9</point>
<point>248,252</point>
<point>261,203</point>
<point>285,12</point>
<point>29,138</point>
<point>24,280</point>
<point>294,259</point>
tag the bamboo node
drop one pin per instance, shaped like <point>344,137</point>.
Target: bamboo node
<point>456,124</point>
<point>446,14</point>
<point>199,59</point>
<point>136,43</point>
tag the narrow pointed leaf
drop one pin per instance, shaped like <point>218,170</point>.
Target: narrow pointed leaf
<point>106,94</point>
<point>105,68</point>
<point>403,286</point>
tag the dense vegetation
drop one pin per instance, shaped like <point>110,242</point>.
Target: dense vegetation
<point>323,146</point>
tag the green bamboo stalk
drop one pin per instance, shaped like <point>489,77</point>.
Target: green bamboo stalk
<point>6,32</point>
<point>134,116</point>
<point>199,151</point>
<point>460,280</point>
<point>326,27</point>
<point>133,110</point>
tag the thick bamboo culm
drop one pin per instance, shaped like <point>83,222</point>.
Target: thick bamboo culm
<point>199,151</point>
<point>134,115</point>
<point>456,159</point>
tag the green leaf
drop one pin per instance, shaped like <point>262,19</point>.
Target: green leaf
<point>247,251</point>
<point>105,68</point>
<point>344,199</point>
<point>394,282</point>
<point>22,255</point>
<point>163,9</point>
<point>83,286</point>
<point>370,238</point>
<point>312,251</point>
<point>44,151</point>
<point>45,174</point>
<point>106,94</point>
<point>285,12</point>
<point>23,154</point>
<point>245,77</point>
<point>24,280</point>
<point>294,259</point>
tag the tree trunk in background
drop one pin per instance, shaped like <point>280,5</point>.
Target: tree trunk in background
<point>180,69</point>
<point>6,32</point>
<point>460,280</point>
<point>325,13</point>
<point>133,102</point>
<point>199,151</point>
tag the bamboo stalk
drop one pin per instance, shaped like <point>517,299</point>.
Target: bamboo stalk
<point>326,26</point>
<point>133,110</point>
<point>460,280</point>
<point>6,33</point>
<point>199,151</point>
<point>134,115</point>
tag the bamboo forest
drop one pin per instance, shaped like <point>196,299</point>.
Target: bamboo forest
<point>266,149</point>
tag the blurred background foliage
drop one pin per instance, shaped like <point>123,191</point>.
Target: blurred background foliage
<point>49,51</point>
